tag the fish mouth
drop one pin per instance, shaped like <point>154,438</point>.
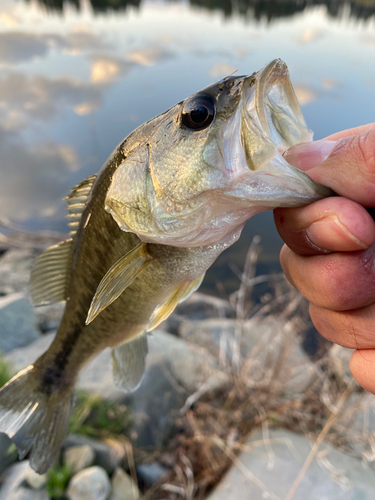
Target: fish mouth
<point>272,122</point>
<point>271,118</point>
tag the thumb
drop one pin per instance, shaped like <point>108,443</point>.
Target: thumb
<point>347,166</point>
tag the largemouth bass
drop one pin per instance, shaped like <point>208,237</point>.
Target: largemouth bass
<point>173,195</point>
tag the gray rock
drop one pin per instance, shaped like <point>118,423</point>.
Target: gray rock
<point>200,306</point>
<point>89,484</point>
<point>79,457</point>
<point>49,317</point>
<point>267,344</point>
<point>34,480</point>
<point>123,486</point>
<point>18,359</point>
<point>18,322</point>
<point>268,470</point>
<point>14,477</point>
<point>15,268</point>
<point>108,454</point>
<point>26,494</point>
<point>174,370</point>
<point>149,474</point>
<point>8,452</point>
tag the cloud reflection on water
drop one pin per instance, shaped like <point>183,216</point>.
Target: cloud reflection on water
<point>18,46</point>
<point>41,98</point>
<point>34,177</point>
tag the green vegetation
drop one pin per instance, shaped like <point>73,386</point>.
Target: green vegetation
<point>5,375</point>
<point>58,480</point>
<point>96,417</point>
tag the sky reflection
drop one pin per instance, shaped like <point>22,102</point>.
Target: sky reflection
<point>76,78</point>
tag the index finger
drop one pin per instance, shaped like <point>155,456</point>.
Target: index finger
<point>350,131</point>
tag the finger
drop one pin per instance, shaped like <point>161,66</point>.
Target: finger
<point>350,131</point>
<point>352,329</point>
<point>338,281</point>
<point>333,224</point>
<point>362,366</point>
<point>349,169</point>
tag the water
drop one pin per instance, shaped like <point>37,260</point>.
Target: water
<point>77,77</point>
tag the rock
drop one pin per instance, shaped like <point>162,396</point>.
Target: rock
<point>198,306</point>
<point>18,359</point>
<point>49,317</point>
<point>123,486</point>
<point>273,466</point>
<point>108,454</point>
<point>14,476</point>
<point>34,480</point>
<point>15,268</point>
<point>18,322</point>
<point>174,370</point>
<point>79,457</point>
<point>26,494</point>
<point>8,452</point>
<point>149,474</point>
<point>89,484</point>
<point>266,344</point>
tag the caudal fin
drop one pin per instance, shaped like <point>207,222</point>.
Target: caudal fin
<point>36,422</point>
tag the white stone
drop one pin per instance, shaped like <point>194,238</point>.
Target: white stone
<point>14,476</point>
<point>89,484</point>
<point>79,457</point>
<point>34,480</point>
<point>123,486</point>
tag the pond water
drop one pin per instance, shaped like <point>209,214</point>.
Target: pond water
<point>77,76</point>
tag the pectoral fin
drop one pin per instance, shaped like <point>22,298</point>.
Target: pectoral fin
<point>180,293</point>
<point>119,277</point>
<point>128,362</point>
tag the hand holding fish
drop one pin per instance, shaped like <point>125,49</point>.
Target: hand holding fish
<point>330,255</point>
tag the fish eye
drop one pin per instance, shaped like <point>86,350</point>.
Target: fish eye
<point>198,112</point>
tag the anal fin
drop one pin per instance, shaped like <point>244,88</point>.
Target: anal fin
<point>119,277</point>
<point>128,362</point>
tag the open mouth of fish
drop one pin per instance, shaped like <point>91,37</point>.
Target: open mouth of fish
<point>269,121</point>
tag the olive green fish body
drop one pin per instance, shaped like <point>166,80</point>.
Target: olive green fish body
<point>174,194</point>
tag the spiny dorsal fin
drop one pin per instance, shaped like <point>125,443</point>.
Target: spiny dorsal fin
<point>49,274</point>
<point>77,201</point>
<point>119,277</point>
<point>128,363</point>
<point>179,294</point>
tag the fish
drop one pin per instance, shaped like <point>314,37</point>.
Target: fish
<point>172,196</point>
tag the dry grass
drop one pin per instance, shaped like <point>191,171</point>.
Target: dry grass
<point>213,431</point>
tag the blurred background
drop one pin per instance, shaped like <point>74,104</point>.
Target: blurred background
<point>77,76</point>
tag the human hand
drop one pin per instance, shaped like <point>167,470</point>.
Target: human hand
<point>330,252</point>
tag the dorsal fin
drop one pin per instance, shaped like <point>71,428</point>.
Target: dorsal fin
<point>76,202</point>
<point>49,275</point>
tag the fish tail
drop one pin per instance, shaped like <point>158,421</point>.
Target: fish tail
<point>34,418</point>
